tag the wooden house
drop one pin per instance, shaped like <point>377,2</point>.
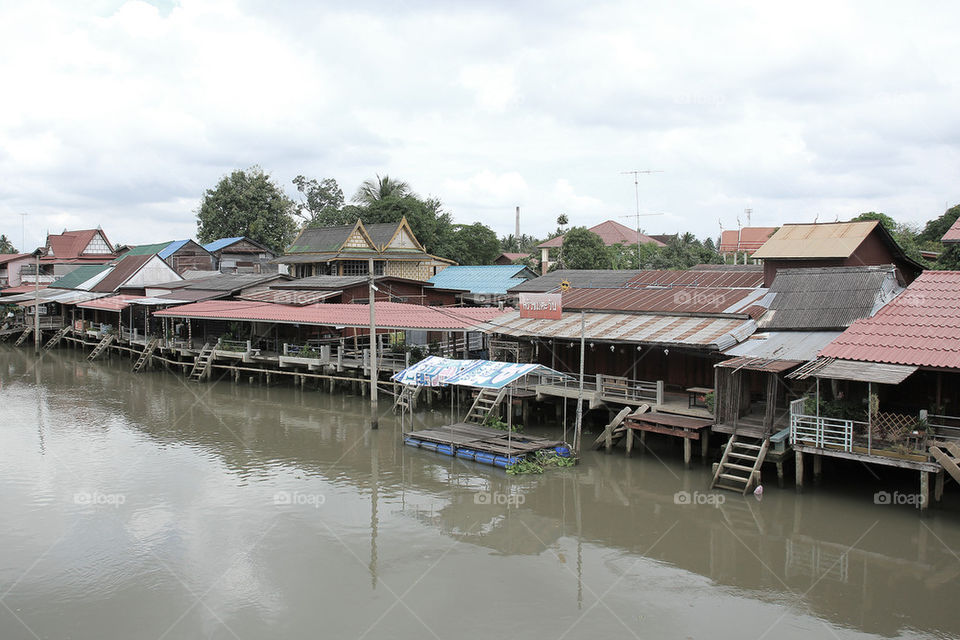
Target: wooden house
<point>346,250</point>
<point>241,255</point>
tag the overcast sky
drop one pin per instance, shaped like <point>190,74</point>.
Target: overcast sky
<point>120,114</point>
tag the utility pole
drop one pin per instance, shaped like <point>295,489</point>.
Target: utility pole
<point>374,412</point>
<point>23,233</point>
<point>36,303</point>
<point>636,190</point>
<point>517,233</point>
<point>579,427</point>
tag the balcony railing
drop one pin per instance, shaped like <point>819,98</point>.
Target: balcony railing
<point>819,431</point>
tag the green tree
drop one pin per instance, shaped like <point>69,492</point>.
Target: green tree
<point>247,203</point>
<point>934,229</point>
<point>523,244</point>
<point>6,246</point>
<point>429,222</point>
<point>889,223</point>
<point>322,203</point>
<point>382,188</point>
<point>583,249</point>
<point>949,259</point>
<point>907,236</point>
<point>472,244</point>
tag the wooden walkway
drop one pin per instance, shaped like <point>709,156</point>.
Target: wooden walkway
<point>476,442</point>
<point>685,427</point>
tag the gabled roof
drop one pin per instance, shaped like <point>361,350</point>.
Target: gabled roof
<point>125,268</point>
<point>611,233</point>
<point>147,249</point>
<point>79,275</point>
<point>222,281</point>
<point>173,247</point>
<point>920,327</point>
<point>747,239</point>
<point>10,257</point>
<point>382,233</point>
<point>681,300</point>
<point>71,244</point>
<point>827,298</point>
<point>590,278</point>
<point>953,233</point>
<point>223,243</point>
<point>491,279</point>
<point>321,239</point>
<point>735,276</point>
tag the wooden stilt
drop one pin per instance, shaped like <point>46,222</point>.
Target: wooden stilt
<point>798,456</point>
<point>924,491</point>
<point>704,444</point>
<point>817,468</point>
<point>629,442</point>
<point>687,451</point>
<point>938,487</point>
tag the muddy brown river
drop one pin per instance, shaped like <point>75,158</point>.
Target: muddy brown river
<point>144,506</point>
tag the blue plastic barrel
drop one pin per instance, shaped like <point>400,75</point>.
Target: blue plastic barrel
<point>562,451</point>
<point>429,446</point>
<point>445,449</point>
<point>484,457</point>
<point>411,442</point>
<point>466,454</point>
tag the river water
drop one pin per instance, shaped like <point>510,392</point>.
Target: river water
<point>142,506</point>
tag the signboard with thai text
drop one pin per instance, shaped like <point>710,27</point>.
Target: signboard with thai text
<point>546,306</point>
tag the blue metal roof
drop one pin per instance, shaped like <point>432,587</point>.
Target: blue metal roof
<point>172,248</point>
<point>492,279</point>
<point>216,245</point>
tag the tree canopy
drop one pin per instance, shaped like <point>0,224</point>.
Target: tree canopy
<point>6,246</point>
<point>583,249</point>
<point>381,188</point>
<point>934,229</point>
<point>247,203</point>
<point>321,204</point>
<point>472,244</point>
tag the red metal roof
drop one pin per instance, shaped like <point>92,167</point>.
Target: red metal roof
<point>23,288</point>
<point>611,233</point>
<point>953,233</point>
<point>110,303</point>
<point>10,257</point>
<point>746,276</point>
<point>390,315</point>
<point>669,300</point>
<point>920,327</point>
<point>70,245</point>
<point>747,239</point>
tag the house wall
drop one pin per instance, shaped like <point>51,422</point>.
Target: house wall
<point>191,256</point>
<point>245,256</point>
<point>10,272</point>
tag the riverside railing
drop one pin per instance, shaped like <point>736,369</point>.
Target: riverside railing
<point>819,431</point>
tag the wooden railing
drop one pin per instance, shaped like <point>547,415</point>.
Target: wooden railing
<point>629,391</point>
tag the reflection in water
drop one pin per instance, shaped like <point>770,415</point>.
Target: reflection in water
<point>143,505</point>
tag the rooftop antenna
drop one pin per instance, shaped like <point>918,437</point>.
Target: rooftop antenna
<point>636,190</point>
<point>748,212</point>
<point>23,234</point>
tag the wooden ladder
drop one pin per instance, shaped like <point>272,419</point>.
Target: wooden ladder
<point>202,364</point>
<point>407,397</point>
<point>615,431</point>
<point>105,342</point>
<point>145,355</point>
<point>487,400</point>
<point>949,459</point>
<point>56,338</point>
<point>23,336</point>
<point>739,467</point>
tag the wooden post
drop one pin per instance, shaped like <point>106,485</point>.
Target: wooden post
<point>687,447</point>
<point>798,456</point>
<point>643,442</point>
<point>938,487</point>
<point>817,468</point>
<point>704,443</point>
<point>924,491</point>
<point>629,437</point>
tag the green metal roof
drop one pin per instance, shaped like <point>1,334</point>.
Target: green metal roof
<point>147,249</point>
<point>79,275</point>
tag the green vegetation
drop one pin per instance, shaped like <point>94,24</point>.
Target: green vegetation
<point>247,203</point>
<point>539,462</point>
<point>494,422</point>
<point>6,246</point>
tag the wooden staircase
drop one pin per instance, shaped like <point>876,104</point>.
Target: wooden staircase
<point>56,338</point>
<point>948,455</point>
<point>105,342</point>
<point>23,336</point>
<point>615,431</point>
<point>201,366</point>
<point>487,400</point>
<point>407,398</point>
<point>739,467</point>
<point>148,350</point>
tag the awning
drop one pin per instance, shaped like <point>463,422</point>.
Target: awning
<point>760,364</point>
<point>784,345</point>
<point>435,372</point>
<point>854,370</point>
<point>61,296</point>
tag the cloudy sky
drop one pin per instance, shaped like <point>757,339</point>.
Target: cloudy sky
<point>120,114</point>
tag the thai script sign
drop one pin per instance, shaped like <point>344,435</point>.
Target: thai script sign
<point>546,306</point>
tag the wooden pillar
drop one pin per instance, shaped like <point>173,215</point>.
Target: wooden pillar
<point>924,491</point>
<point>643,442</point>
<point>704,443</point>
<point>780,473</point>
<point>629,436</point>
<point>817,468</point>
<point>687,449</point>
<point>938,487</point>
<point>798,456</point>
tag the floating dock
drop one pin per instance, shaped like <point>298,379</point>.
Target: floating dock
<point>482,444</point>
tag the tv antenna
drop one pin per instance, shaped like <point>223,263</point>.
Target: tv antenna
<point>23,235</point>
<point>636,190</point>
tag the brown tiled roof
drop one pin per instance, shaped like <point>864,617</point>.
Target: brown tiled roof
<point>70,244</point>
<point>611,233</point>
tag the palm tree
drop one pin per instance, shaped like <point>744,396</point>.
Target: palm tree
<point>383,187</point>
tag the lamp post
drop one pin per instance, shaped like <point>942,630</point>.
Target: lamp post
<point>36,300</point>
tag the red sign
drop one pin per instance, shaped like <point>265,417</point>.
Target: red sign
<point>546,306</point>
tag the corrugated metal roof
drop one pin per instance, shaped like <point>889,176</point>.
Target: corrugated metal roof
<point>389,315</point>
<point>10,257</point>
<point>828,297</point>
<point>296,298</point>
<point>223,281</point>
<point>110,303</point>
<point>587,278</point>
<point>745,276</point>
<point>672,300</point>
<point>713,333</point>
<point>830,240</point>
<point>172,248</point>
<point>919,327</point>
<point>491,279</point>
<point>747,239</point>
<point>767,365</point>
<point>124,269</point>
<point>784,345</point>
<point>952,234</point>
<point>62,296</point>
<point>832,369</point>
<point>147,249</point>
<point>611,232</point>
<point>79,275</point>
<point>216,245</point>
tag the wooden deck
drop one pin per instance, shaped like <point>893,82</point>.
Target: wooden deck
<point>464,438</point>
<point>678,426</point>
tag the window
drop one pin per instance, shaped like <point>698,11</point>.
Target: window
<point>361,267</point>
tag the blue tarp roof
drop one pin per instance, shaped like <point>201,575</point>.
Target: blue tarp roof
<point>216,245</point>
<point>435,371</point>
<point>493,279</point>
<point>172,248</point>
